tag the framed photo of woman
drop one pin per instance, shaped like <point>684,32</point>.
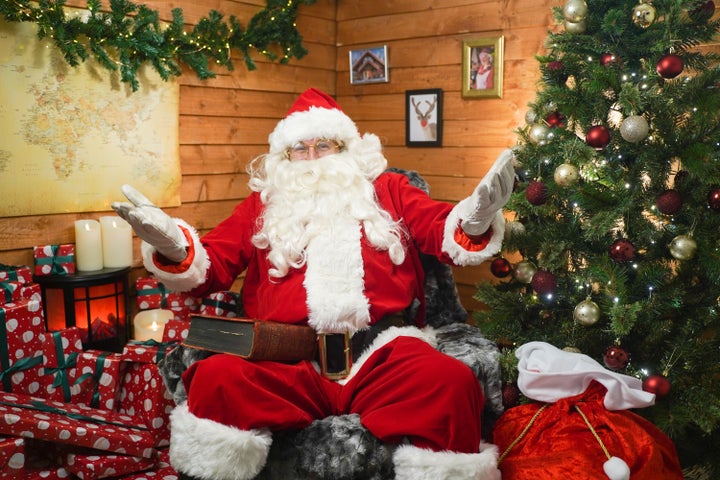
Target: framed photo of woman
<point>483,67</point>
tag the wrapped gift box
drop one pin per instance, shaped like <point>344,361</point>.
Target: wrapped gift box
<point>60,351</point>
<point>147,351</point>
<point>153,294</point>
<point>22,273</point>
<point>69,424</point>
<point>99,375</point>
<point>176,331</point>
<point>12,457</point>
<point>97,465</point>
<point>21,325</point>
<point>145,397</point>
<point>222,304</point>
<point>162,471</point>
<point>12,291</point>
<point>54,259</point>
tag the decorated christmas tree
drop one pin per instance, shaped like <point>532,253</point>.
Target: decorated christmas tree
<point>614,248</point>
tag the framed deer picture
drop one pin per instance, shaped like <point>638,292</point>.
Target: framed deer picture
<point>483,67</point>
<point>423,118</point>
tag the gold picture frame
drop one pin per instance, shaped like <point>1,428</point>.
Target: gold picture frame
<point>483,67</point>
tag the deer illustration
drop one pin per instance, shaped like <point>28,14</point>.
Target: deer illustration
<point>429,130</point>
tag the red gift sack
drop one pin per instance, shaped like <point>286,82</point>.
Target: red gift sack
<point>573,438</point>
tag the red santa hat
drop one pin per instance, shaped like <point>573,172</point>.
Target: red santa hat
<point>313,115</point>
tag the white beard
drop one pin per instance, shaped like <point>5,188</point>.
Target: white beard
<point>314,211</point>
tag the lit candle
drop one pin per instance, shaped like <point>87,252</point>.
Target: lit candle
<point>150,324</point>
<point>88,246</point>
<point>116,242</point>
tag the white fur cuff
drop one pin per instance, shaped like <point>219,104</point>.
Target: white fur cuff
<point>459,255</point>
<point>209,450</point>
<point>190,278</point>
<point>413,463</point>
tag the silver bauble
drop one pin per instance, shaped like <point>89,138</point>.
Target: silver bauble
<point>683,247</point>
<point>538,133</point>
<point>634,128</point>
<point>524,271</point>
<point>530,116</point>
<point>576,28</point>
<point>566,175</point>
<point>575,10</point>
<point>586,313</point>
<point>513,229</point>
<point>644,14</point>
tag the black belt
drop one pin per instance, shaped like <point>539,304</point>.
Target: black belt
<point>338,351</point>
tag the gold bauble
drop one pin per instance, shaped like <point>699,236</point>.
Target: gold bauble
<point>586,313</point>
<point>566,175</point>
<point>524,271</point>
<point>644,14</point>
<point>575,10</point>
<point>575,28</point>
<point>683,247</point>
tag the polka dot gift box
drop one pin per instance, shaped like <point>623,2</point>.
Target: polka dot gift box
<point>69,424</point>
<point>21,324</point>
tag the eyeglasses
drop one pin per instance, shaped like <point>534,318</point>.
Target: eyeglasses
<point>322,147</point>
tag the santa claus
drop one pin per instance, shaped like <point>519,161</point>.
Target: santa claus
<point>330,239</point>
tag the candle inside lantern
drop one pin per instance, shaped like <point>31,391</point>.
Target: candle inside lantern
<point>88,246</point>
<point>116,242</point>
<point>150,324</point>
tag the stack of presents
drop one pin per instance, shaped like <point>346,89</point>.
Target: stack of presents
<point>72,412</point>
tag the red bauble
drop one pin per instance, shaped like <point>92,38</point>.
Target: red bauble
<point>598,137</point>
<point>556,119</point>
<point>544,282</point>
<point>536,192</point>
<point>616,357</point>
<point>669,66</point>
<point>607,59</point>
<point>669,202</point>
<point>714,199</point>
<point>703,12</point>
<point>500,267</point>
<point>657,384</point>
<point>622,250</point>
<point>510,395</point>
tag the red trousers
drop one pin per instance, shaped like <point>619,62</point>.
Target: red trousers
<point>405,388</point>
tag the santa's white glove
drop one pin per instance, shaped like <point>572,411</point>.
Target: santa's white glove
<point>491,195</point>
<point>152,224</point>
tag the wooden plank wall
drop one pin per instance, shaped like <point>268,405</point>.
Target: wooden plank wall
<point>425,41</point>
<point>224,122</point>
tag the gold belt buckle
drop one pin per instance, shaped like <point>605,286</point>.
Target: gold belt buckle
<point>339,347</point>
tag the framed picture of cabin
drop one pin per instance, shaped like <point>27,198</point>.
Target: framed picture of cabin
<point>423,118</point>
<point>483,67</point>
<point>369,65</point>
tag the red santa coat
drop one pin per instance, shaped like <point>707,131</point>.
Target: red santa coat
<point>227,251</point>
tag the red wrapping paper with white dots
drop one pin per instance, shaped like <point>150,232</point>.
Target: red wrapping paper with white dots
<point>60,350</point>
<point>21,273</point>
<point>176,331</point>
<point>152,294</point>
<point>99,377</point>
<point>96,465</point>
<point>21,324</point>
<point>12,457</point>
<point>143,396</point>
<point>66,423</point>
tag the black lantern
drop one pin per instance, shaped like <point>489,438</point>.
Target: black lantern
<point>96,302</point>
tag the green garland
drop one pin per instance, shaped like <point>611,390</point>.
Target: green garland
<point>131,35</point>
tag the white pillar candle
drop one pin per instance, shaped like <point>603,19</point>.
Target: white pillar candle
<point>88,246</point>
<point>117,245</point>
<point>150,324</point>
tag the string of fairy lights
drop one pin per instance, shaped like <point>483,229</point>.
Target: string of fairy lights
<point>127,36</point>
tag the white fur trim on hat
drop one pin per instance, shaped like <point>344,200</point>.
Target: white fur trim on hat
<point>464,257</point>
<point>192,277</point>
<point>312,123</point>
<point>209,450</point>
<point>413,463</point>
